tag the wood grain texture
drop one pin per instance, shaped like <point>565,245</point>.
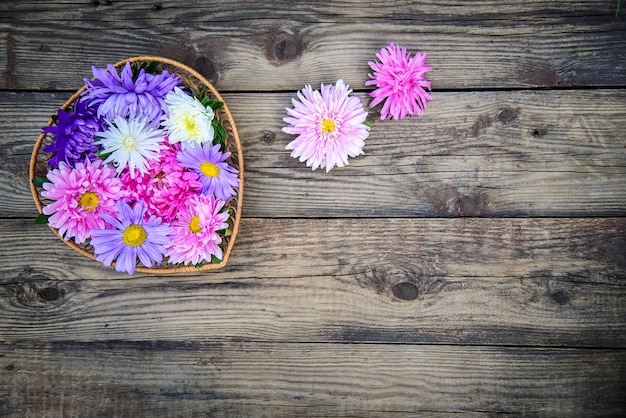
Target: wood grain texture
<point>472,262</point>
<point>295,380</point>
<point>473,154</point>
<point>542,282</point>
<point>278,46</point>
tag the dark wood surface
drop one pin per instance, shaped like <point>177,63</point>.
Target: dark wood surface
<point>472,262</point>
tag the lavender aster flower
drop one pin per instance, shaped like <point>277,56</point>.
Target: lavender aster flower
<point>217,177</point>
<point>131,237</point>
<point>119,95</point>
<point>73,135</point>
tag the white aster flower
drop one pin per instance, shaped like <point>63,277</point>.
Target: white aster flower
<point>131,143</point>
<point>187,120</point>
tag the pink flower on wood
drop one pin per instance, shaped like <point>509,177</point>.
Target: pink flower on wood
<point>400,83</point>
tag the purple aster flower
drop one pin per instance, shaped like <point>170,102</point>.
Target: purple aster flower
<point>131,236</point>
<point>73,135</point>
<point>119,95</point>
<point>217,177</point>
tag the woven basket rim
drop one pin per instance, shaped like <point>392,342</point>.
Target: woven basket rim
<point>235,137</point>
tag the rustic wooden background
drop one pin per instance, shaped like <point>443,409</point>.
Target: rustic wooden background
<point>472,261</point>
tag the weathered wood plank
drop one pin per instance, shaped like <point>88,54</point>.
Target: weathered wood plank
<point>142,14</point>
<point>472,154</point>
<point>543,282</point>
<point>283,45</point>
<point>253,379</point>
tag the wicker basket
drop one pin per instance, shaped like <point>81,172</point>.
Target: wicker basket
<point>195,81</point>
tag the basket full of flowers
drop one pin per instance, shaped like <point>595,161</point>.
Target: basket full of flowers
<point>142,169</point>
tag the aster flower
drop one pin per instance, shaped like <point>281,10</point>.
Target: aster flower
<point>217,177</point>
<point>400,82</point>
<point>165,187</point>
<point>73,135</point>
<point>81,195</point>
<point>119,95</point>
<point>134,152</point>
<point>131,143</point>
<point>194,236</point>
<point>187,120</point>
<point>330,126</point>
<point>130,235</point>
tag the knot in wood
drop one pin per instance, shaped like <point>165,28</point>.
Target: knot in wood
<point>206,67</point>
<point>281,48</point>
<point>268,137</point>
<point>537,132</point>
<point>561,297</point>
<point>34,291</point>
<point>507,114</point>
<point>49,294</point>
<point>405,291</point>
<point>286,50</point>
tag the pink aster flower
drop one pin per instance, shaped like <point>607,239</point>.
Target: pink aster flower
<point>165,187</point>
<point>81,196</point>
<point>194,237</point>
<point>330,126</point>
<point>400,82</point>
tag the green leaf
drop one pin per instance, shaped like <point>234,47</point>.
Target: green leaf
<point>199,265</point>
<point>368,123</point>
<point>220,133</point>
<point>619,3</point>
<point>103,155</point>
<point>42,219</point>
<point>152,68</point>
<point>213,104</point>
<point>225,232</point>
<point>215,260</point>
<point>39,181</point>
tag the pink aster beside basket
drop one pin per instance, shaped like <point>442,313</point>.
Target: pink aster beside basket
<point>195,82</point>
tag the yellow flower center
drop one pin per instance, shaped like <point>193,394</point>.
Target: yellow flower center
<point>328,126</point>
<point>89,200</point>
<point>129,142</point>
<point>134,235</point>
<point>209,169</point>
<point>194,225</point>
<point>190,123</point>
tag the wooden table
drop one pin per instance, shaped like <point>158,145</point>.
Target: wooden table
<point>472,261</point>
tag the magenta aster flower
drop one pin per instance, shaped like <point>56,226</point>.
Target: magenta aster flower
<point>119,95</point>
<point>130,235</point>
<point>330,126</point>
<point>73,135</point>
<point>217,177</point>
<point>82,195</point>
<point>400,82</point>
<point>165,187</point>
<point>194,235</point>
